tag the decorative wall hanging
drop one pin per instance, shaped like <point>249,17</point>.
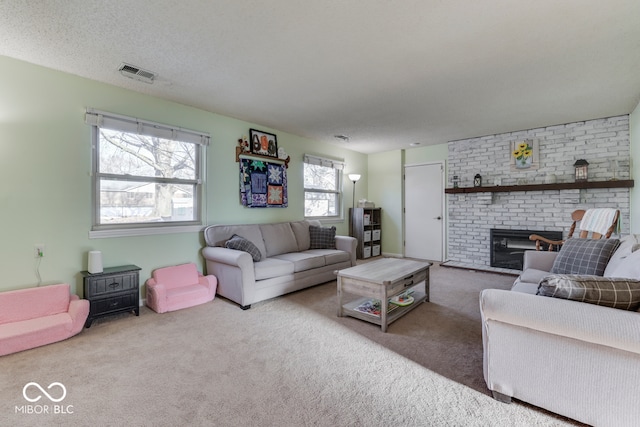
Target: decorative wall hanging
<point>525,155</point>
<point>263,143</point>
<point>263,184</point>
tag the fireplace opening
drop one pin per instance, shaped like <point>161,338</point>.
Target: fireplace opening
<point>508,246</point>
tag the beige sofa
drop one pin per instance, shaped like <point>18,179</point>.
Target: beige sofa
<point>576,359</point>
<point>287,260</point>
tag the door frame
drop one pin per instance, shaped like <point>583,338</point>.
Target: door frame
<point>445,216</point>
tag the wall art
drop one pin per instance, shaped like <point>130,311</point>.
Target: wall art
<point>263,143</point>
<point>525,155</point>
<point>263,184</point>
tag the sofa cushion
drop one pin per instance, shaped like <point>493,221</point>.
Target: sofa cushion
<point>303,260</point>
<point>531,275</point>
<point>331,256</point>
<point>301,230</point>
<point>278,238</point>
<point>322,237</point>
<point>272,267</point>
<point>31,303</point>
<point>525,287</point>
<point>217,235</point>
<point>241,244</point>
<point>185,294</point>
<point>584,256</point>
<point>607,291</point>
<point>177,275</point>
<point>32,332</point>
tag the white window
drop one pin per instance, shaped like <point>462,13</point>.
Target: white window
<point>146,176</point>
<point>322,187</point>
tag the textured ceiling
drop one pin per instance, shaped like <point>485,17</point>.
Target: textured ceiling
<point>385,73</point>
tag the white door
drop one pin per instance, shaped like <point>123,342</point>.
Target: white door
<point>423,215</point>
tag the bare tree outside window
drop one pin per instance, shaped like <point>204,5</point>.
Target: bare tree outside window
<point>321,191</point>
<point>145,178</point>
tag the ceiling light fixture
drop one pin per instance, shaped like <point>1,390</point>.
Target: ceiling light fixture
<point>343,138</point>
<point>136,73</point>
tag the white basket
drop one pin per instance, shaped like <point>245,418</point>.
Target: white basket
<point>367,252</point>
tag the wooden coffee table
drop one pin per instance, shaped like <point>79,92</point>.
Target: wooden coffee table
<point>381,280</point>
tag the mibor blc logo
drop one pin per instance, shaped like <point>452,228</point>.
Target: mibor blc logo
<point>54,392</point>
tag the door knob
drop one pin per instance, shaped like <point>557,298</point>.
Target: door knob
<point>438,217</point>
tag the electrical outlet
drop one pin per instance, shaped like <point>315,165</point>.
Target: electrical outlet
<point>39,250</point>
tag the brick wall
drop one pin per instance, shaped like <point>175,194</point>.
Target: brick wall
<point>472,215</point>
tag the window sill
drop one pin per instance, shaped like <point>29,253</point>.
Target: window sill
<point>130,232</point>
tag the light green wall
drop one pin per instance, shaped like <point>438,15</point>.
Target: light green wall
<point>432,153</point>
<point>45,190</point>
<point>634,140</point>
<point>385,190</point>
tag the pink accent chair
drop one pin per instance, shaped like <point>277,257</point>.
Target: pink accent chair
<point>34,317</point>
<point>177,287</point>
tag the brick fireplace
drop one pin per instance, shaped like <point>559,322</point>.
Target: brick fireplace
<point>604,143</point>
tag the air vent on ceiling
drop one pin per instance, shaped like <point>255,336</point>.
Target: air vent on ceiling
<point>136,73</point>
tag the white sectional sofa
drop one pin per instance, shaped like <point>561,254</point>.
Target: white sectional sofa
<point>577,359</point>
<point>282,258</point>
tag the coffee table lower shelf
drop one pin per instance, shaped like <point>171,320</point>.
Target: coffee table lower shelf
<point>349,309</point>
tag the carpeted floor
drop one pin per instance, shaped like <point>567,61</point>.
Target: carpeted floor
<point>289,361</point>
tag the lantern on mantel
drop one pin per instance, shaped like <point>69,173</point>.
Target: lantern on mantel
<point>477,180</point>
<point>581,169</point>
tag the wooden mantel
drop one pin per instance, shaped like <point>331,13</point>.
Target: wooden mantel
<point>542,187</point>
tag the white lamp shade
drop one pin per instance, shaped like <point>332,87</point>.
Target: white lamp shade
<point>354,177</point>
<point>95,262</point>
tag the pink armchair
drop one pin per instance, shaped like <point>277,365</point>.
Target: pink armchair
<point>177,287</point>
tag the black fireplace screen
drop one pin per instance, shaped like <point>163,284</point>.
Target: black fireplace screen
<point>508,246</point>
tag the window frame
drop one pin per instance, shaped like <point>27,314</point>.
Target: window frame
<point>338,166</point>
<point>98,119</point>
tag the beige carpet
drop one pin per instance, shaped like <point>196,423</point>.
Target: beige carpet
<point>289,361</point>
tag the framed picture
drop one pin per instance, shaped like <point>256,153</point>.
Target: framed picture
<point>263,143</point>
<point>525,155</point>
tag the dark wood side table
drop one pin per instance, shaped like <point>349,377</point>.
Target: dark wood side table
<point>115,290</point>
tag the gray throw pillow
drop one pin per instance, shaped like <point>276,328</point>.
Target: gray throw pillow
<point>584,256</point>
<point>607,291</point>
<point>322,237</point>
<point>241,244</point>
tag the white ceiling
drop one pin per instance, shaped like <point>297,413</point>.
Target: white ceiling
<point>385,73</point>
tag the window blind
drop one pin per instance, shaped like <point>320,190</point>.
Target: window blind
<point>117,122</point>
<point>321,161</point>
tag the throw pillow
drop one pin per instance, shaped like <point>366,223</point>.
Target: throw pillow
<point>322,237</point>
<point>628,245</point>
<point>607,291</point>
<point>629,267</point>
<point>241,244</point>
<point>584,256</point>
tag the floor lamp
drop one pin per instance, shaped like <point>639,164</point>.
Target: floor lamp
<point>354,177</point>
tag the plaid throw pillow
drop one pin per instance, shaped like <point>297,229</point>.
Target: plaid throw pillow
<point>241,244</point>
<point>322,237</point>
<point>584,256</point>
<point>607,291</point>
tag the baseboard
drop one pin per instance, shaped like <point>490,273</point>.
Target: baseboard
<point>391,255</point>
